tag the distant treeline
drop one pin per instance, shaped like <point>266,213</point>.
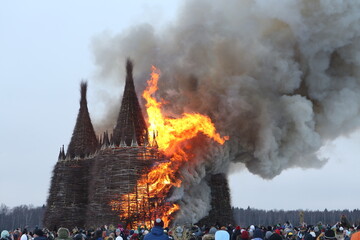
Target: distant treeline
<point>31,217</point>
<point>246,217</point>
<point>21,217</point>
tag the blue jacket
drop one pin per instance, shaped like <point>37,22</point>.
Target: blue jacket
<point>157,233</point>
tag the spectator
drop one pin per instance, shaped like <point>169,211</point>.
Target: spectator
<point>5,235</point>
<point>258,234</point>
<point>354,236</point>
<point>268,232</point>
<point>63,234</point>
<point>24,235</point>
<point>39,234</point>
<point>222,235</point>
<point>236,233</point>
<point>157,232</point>
<point>244,235</point>
<point>118,234</point>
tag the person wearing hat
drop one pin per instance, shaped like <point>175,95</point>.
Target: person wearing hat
<point>24,235</point>
<point>157,232</point>
<point>39,234</point>
<point>5,235</point>
<point>276,235</point>
<point>118,234</point>
<point>244,235</point>
<point>236,233</point>
<point>63,234</point>
<point>222,235</point>
<point>329,234</point>
<point>290,236</point>
<point>356,235</point>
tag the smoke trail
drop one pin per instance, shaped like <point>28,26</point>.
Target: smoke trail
<point>279,77</point>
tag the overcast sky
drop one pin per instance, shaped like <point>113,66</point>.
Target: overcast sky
<point>45,51</point>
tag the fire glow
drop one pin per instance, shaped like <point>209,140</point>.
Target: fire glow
<point>170,133</point>
<point>170,136</point>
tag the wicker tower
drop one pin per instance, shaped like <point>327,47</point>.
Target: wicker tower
<point>96,182</point>
<point>68,195</point>
<point>83,141</point>
<point>130,123</point>
<point>220,213</point>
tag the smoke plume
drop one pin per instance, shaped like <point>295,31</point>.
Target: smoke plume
<point>280,78</point>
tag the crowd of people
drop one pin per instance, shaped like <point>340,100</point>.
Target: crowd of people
<point>284,231</point>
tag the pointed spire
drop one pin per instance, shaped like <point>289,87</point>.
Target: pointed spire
<point>63,153</point>
<point>130,121</point>
<point>105,139</point>
<point>154,142</point>
<point>134,142</point>
<point>122,141</point>
<point>111,138</point>
<point>83,141</point>
<point>60,155</point>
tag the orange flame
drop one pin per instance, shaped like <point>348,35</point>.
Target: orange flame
<point>170,132</point>
<point>168,135</point>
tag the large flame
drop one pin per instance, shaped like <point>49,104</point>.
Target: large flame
<point>170,132</point>
<point>169,135</point>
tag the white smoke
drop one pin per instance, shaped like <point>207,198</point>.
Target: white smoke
<point>279,77</point>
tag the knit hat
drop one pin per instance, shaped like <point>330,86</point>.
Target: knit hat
<point>212,230</point>
<point>330,234</point>
<point>5,234</point>
<point>39,232</point>
<point>159,223</point>
<point>244,234</point>
<point>78,237</point>
<point>63,233</point>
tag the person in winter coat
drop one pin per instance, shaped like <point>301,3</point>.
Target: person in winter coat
<point>24,235</point>
<point>63,234</point>
<point>118,234</point>
<point>5,235</point>
<point>244,235</point>
<point>39,234</point>
<point>222,235</point>
<point>354,236</point>
<point>258,234</point>
<point>236,233</point>
<point>157,232</point>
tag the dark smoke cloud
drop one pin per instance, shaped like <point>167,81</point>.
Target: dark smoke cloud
<point>279,77</point>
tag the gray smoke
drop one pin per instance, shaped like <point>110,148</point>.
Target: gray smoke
<point>279,77</point>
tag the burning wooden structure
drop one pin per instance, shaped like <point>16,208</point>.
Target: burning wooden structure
<point>93,173</point>
<point>98,182</point>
